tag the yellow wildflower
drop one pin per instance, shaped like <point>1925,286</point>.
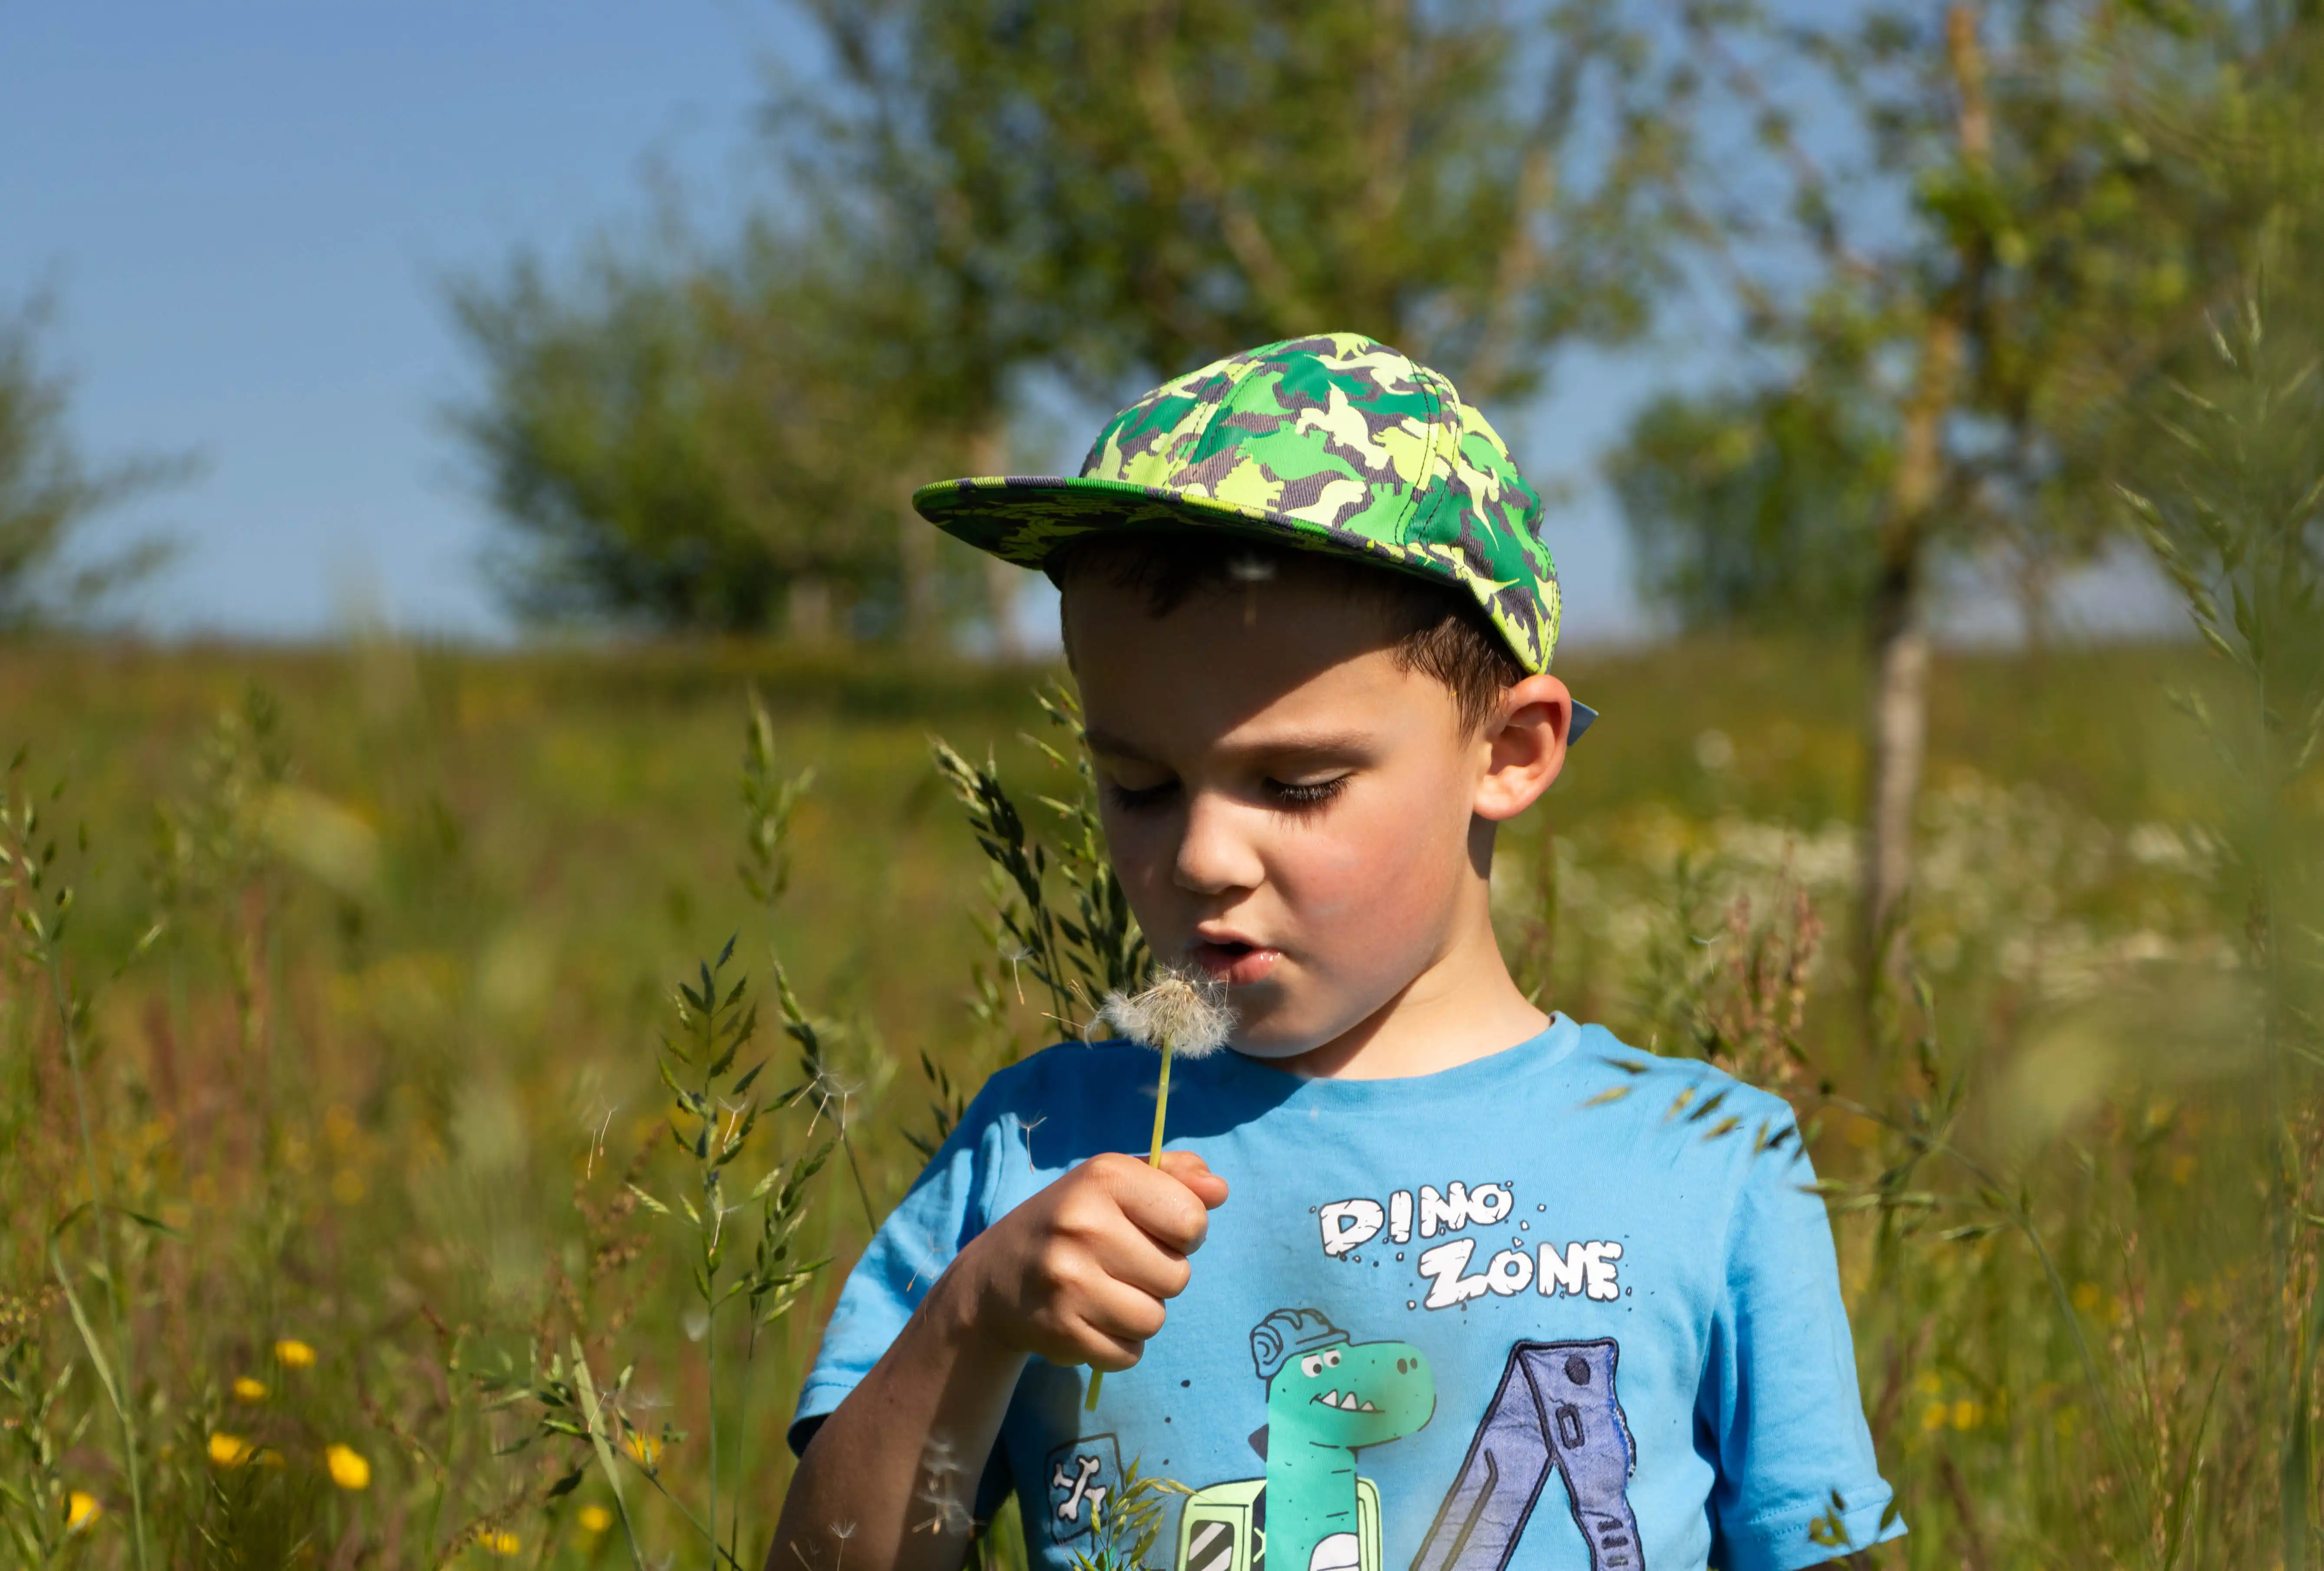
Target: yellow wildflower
<point>498,1542</point>
<point>1967,1414</point>
<point>595,1518</point>
<point>2085,1297</point>
<point>229,1450</point>
<point>80,1509</point>
<point>641,1446</point>
<point>1933,1416</point>
<point>293,1353</point>
<point>246,1390</point>
<point>349,1470</point>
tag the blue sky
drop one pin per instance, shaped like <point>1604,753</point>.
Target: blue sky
<point>246,214</point>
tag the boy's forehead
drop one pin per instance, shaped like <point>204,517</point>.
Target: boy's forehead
<point>1278,665</point>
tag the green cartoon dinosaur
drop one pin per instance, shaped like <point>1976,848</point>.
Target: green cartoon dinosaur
<point>1326,1397</point>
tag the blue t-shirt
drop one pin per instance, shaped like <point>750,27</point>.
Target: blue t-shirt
<point>1423,1300</point>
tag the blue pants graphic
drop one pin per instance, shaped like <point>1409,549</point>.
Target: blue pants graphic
<point>1555,1410</point>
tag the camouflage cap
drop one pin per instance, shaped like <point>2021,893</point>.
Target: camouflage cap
<point>1334,443</point>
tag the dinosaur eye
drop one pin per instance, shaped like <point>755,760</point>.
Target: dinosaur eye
<point>1311,1366</point>
<point>1331,1359</point>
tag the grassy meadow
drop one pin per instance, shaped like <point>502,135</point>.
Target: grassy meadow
<point>345,1225</point>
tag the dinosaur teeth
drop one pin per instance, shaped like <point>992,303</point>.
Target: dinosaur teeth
<point>1348,1402</point>
<point>1368,1408</point>
<point>1330,1399</point>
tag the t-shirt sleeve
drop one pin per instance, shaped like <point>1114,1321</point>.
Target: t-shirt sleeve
<point>1798,1483</point>
<point>948,1204</point>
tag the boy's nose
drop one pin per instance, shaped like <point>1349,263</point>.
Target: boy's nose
<point>1213,855</point>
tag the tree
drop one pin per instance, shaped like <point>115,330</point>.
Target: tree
<point>1119,189</point>
<point>984,191</point>
<point>1977,244</point>
<point>1752,510</point>
<point>49,493</point>
<point>712,445</point>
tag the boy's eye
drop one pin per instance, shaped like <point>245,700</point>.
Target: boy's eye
<point>1138,799</point>
<point>1306,794</point>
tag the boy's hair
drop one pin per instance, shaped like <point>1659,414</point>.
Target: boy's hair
<point>1433,628</point>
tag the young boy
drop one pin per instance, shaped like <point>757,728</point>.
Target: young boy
<point>1469,1247</point>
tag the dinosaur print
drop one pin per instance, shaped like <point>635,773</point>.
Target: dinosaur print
<point>1327,1397</point>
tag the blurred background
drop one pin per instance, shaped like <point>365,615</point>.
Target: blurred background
<point>457,573</point>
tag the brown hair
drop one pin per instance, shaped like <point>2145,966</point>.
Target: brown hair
<point>1433,628</point>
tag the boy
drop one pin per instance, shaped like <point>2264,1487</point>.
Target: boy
<point>1311,621</point>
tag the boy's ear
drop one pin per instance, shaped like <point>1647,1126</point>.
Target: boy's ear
<point>1525,738</point>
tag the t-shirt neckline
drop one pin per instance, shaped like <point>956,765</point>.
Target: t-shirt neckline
<point>1462,1082</point>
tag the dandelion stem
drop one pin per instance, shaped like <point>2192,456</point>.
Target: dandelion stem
<point>1161,1108</point>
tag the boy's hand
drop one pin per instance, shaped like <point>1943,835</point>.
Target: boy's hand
<point>1078,1273</point>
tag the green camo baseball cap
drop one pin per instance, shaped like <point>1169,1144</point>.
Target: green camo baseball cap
<point>1333,443</point>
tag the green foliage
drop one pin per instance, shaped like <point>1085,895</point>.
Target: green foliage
<point>1753,511</point>
<point>49,493</point>
<point>2009,223</point>
<point>704,445</point>
<point>1131,188</point>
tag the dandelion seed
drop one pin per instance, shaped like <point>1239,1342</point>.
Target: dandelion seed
<point>348,1467</point>
<point>292,1353</point>
<point>80,1509</point>
<point>1183,1015</point>
<point>595,1518</point>
<point>229,1450</point>
<point>246,1390</point>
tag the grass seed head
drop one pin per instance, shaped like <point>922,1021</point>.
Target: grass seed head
<point>1184,1010</point>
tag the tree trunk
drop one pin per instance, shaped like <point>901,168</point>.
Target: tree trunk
<point>1004,581</point>
<point>916,553</point>
<point>1899,719</point>
<point>807,610</point>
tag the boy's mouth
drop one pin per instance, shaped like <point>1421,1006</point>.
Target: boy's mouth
<point>1234,962</point>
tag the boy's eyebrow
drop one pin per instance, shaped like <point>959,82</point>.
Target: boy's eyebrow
<point>1287,744</point>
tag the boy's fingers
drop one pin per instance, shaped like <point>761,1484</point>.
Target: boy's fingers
<point>1130,1257</point>
<point>1121,1313</point>
<point>1159,1203</point>
<point>1196,1173</point>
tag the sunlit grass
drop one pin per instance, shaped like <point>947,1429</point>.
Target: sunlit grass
<point>402,1238</point>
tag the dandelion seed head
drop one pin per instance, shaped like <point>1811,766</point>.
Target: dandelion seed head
<point>1184,1011</point>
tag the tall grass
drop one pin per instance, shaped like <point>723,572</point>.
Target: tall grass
<point>423,1135</point>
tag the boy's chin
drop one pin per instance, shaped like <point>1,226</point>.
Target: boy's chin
<point>1263,1047</point>
<point>1275,1032</point>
